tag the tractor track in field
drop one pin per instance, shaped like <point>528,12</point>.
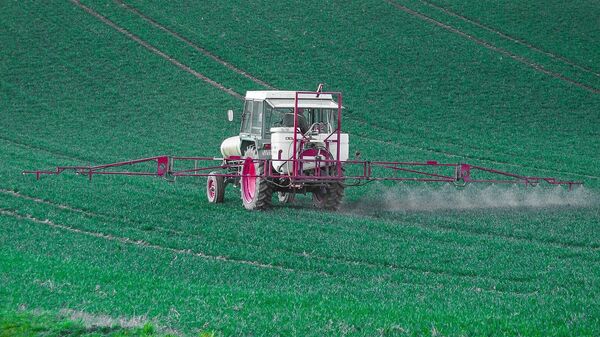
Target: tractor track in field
<point>309,255</point>
<point>141,243</point>
<point>155,50</point>
<point>146,244</point>
<point>492,47</point>
<point>50,203</point>
<point>511,38</point>
<point>439,228</point>
<point>41,149</point>
<point>241,97</point>
<point>194,45</point>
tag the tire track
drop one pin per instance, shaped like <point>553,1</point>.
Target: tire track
<point>194,45</point>
<point>146,244</point>
<point>511,38</point>
<point>492,47</point>
<point>155,50</point>
<point>141,243</point>
<point>39,148</point>
<point>344,260</point>
<point>50,203</point>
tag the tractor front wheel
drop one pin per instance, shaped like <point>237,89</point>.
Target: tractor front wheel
<point>215,188</point>
<point>257,193</point>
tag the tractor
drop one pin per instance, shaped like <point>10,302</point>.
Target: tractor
<point>262,159</point>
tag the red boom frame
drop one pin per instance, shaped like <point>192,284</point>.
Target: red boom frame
<point>462,172</point>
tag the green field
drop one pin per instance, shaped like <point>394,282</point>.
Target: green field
<point>509,85</point>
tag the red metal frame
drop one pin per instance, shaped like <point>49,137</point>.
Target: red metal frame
<point>338,129</point>
<point>462,173</point>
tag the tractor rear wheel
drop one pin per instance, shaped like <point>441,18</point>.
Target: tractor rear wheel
<point>257,192</point>
<point>329,197</point>
<point>286,197</point>
<point>215,188</point>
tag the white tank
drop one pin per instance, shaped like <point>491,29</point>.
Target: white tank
<point>231,147</point>
<point>344,144</point>
<point>282,149</point>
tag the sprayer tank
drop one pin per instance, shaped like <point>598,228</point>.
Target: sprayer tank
<point>231,147</point>
<point>282,150</point>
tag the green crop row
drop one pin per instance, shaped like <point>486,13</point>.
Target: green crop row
<point>563,29</point>
<point>508,45</point>
<point>147,276</point>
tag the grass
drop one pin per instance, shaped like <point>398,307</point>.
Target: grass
<point>24,324</point>
<point>75,91</point>
<point>553,30</point>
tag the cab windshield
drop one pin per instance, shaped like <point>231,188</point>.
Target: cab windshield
<point>325,118</point>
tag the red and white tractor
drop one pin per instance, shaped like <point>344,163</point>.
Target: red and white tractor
<point>288,144</point>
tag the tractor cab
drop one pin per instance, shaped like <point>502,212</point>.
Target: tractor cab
<point>268,120</point>
<point>265,110</point>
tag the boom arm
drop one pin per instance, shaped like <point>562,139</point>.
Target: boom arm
<point>359,170</point>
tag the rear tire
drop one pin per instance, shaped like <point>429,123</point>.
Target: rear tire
<point>286,197</point>
<point>329,197</point>
<point>215,188</point>
<point>256,192</point>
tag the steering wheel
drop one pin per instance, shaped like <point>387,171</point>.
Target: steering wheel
<point>318,127</point>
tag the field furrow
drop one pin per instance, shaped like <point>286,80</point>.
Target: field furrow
<point>494,48</point>
<point>512,38</point>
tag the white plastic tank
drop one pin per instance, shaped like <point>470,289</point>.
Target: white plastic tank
<point>344,144</point>
<point>282,149</point>
<point>231,147</point>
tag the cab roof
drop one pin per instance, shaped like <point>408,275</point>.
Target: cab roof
<point>285,99</point>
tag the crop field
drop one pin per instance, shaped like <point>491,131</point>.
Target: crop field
<point>510,85</point>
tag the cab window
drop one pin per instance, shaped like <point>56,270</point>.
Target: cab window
<point>272,119</point>
<point>257,119</point>
<point>246,117</point>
